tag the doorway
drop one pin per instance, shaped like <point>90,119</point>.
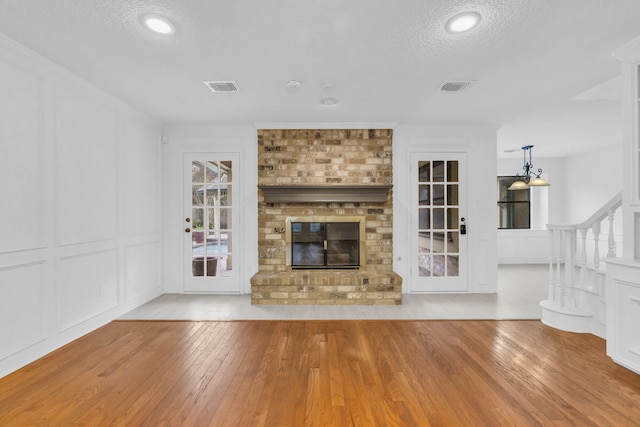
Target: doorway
<point>438,225</point>
<point>210,212</point>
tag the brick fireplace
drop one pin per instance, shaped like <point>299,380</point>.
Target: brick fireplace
<point>327,173</point>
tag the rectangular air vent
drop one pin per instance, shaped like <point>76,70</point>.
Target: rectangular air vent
<point>222,86</point>
<point>456,86</point>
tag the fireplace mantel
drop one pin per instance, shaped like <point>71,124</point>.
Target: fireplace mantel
<point>325,193</point>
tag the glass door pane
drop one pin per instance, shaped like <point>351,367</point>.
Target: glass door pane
<point>439,196</point>
<point>438,234</point>
<point>209,219</point>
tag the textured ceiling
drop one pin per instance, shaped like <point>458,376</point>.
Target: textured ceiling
<point>385,59</point>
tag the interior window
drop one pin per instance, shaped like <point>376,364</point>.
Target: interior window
<point>514,207</point>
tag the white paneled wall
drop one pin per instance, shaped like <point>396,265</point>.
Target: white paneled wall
<point>86,169</point>
<point>21,158</point>
<point>142,274</point>
<point>24,303</point>
<point>87,286</point>
<point>140,187</point>
<point>80,217</point>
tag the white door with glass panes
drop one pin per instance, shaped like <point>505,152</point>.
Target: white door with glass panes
<point>438,227</point>
<point>209,215</point>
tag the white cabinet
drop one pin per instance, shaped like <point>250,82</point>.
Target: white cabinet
<point>623,312</point>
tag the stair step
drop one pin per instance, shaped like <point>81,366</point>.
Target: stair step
<point>564,319</point>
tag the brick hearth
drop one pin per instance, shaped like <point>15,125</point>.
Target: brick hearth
<point>325,157</point>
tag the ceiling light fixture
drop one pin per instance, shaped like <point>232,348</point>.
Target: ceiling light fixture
<point>294,85</point>
<point>329,101</point>
<point>525,181</point>
<point>158,24</point>
<point>463,22</point>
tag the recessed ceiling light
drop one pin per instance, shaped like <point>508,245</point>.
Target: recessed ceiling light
<point>294,84</point>
<point>158,24</point>
<point>463,22</point>
<point>329,101</point>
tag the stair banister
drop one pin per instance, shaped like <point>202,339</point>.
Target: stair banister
<point>574,298</point>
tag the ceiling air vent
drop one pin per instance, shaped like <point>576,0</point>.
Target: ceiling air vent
<point>456,86</point>
<point>222,86</point>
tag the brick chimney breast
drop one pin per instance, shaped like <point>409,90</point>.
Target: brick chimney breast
<point>325,157</point>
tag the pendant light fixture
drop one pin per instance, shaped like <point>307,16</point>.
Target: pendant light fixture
<point>529,178</point>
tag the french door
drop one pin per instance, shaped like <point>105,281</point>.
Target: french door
<point>438,226</point>
<point>210,212</point>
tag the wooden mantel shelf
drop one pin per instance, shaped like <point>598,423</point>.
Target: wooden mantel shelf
<point>325,193</point>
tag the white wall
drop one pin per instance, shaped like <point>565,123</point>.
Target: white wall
<point>480,145</point>
<point>591,180</point>
<point>184,139</point>
<point>80,187</point>
<point>629,55</point>
<point>478,142</point>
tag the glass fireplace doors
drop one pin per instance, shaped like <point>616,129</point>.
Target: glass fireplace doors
<point>324,245</point>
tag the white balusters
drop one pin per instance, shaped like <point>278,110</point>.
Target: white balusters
<point>611,253</point>
<point>583,256</point>
<point>595,229</point>
<point>552,259</point>
<point>564,253</point>
<point>569,300</point>
<point>576,278</point>
<point>561,265</point>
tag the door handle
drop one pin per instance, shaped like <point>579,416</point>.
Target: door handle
<point>463,226</point>
<point>187,230</point>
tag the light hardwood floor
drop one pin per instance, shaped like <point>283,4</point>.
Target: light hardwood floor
<point>324,373</point>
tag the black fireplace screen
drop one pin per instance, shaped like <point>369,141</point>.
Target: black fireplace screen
<point>325,245</point>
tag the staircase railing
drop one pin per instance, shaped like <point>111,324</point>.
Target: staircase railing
<point>568,259</point>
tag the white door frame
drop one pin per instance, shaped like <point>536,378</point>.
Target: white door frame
<point>222,285</point>
<point>417,283</point>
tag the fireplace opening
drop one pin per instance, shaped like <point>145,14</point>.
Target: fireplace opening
<point>324,245</point>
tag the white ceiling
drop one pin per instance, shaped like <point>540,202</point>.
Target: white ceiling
<point>386,60</point>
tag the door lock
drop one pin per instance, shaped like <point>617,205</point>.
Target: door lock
<point>463,226</point>
<point>187,230</point>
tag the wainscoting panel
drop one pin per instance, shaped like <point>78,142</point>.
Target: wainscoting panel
<point>523,246</point>
<point>86,169</point>
<point>87,286</point>
<point>65,175</point>
<point>22,306</point>
<point>22,215</point>
<point>142,270</point>
<point>140,154</point>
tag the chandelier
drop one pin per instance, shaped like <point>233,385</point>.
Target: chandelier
<point>528,178</point>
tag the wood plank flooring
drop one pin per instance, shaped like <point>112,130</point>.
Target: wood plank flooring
<point>324,373</point>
